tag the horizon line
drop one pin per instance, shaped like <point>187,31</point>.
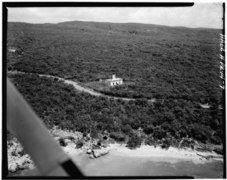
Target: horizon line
<point>116,23</point>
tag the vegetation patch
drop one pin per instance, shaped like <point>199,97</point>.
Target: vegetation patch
<point>60,104</point>
<point>168,63</point>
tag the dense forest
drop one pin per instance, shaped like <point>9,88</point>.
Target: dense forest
<point>178,65</point>
<point>61,105</point>
<point>154,61</point>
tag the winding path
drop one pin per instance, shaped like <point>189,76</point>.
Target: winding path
<point>79,87</point>
<point>92,92</point>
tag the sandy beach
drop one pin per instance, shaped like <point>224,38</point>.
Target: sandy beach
<point>122,161</point>
<point>143,161</point>
<point>146,151</point>
<point>149,161</point>
<point>171,153</point>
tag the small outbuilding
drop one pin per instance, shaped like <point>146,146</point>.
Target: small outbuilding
<point>114,81</point>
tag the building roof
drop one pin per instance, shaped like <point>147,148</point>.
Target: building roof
<point>113,80</point>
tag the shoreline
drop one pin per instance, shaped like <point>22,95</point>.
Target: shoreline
<point>108,152</point>
<point>146,151</point>
<point>149,161</point>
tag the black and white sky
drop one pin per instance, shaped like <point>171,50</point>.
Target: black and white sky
<point>208,15</point>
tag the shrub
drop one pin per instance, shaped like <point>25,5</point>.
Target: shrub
<point>148,130</point>
<point>62,142</point>
<point>134,142</point>
<point>200,132</point>
<point>159,133</point>
<point>118,136</point>
<point>166,143</point>
<point>126,129</point>
<point>150,141</point>
<point>105,137</point>
<point>79,144</point>
<point>215,140</point>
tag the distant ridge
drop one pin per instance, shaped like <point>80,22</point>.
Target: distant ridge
<point>135,24</point>
<point>70,23</point>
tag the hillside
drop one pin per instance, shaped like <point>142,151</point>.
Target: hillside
<point>61,105</point>
<point>176,64</point>
<point>159,61</point>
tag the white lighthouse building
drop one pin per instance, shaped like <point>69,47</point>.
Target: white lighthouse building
<point>114,81</point>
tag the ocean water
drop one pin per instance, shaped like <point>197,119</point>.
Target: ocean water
<point>112,165</point>
<point>118,165</point>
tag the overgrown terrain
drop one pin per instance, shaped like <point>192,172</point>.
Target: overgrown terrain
<point>61,105</point>
<point>157,61</point>
<point>178,65</point>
